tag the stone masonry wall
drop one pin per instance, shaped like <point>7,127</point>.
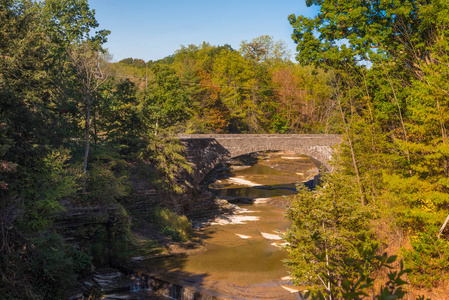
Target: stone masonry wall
<point>205,151</point>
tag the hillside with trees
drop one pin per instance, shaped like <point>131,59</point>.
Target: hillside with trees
<point>256,89</point>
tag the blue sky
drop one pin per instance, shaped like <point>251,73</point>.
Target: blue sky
<point>154,29</point>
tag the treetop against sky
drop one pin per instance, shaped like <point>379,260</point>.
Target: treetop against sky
<point>152,30</point>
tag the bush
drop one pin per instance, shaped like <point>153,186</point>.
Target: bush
<point>176,227</point>
<point>81,261</point>
<point>51,180</point>
<point>108,181</point>
<point>166,153</point>
<point>429,259</point>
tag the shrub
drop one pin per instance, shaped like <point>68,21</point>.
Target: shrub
<point>175,226</point>
<point>429,259</point>
<point>81,261</point>
<point>329,226</point>
<point>108,181</point>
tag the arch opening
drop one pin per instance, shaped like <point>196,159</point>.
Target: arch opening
<point>302,168</point>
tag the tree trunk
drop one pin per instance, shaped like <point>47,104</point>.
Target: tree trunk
<point>404,131</point>
<point>94,120</point>
<point>444,226</point>
<point>354,162</point>
<point>86,152</point>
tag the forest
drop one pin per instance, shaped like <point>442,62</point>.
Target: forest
<point>76,128</point>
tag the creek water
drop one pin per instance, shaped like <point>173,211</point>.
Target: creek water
<point>242,250</point>
<point>245,249</point>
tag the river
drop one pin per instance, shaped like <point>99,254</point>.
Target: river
<point>241,254</point>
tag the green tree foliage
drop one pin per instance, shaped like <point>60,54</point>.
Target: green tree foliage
<point>134,62</point>
<point>5,166</point>
<point>41,109</point>
<point>33,114</point>
<point>72,123</point>
<point>234,75</point>
<point>370,29</point>
<point>329,227</point>
<point>53,268</point>
<point>91,73</point>
<point>165,152</point>
<point>53,179</point>
<point>68,24</point>
<point>108,177</point>
<point>165,103</point>
<point>390,60</point>
<point>119,113</point>
<point>264,49</point>
<point>29,106</point>
<point>239,91</point>
<point>194,64</point>
<point>70,21</point>
<point>333,248</point>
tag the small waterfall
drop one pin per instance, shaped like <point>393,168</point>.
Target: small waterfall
<point>136,285</point>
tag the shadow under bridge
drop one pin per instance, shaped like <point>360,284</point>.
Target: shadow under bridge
<point>205,151</point>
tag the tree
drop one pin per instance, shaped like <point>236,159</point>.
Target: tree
<point>303,98</point>
<point>91,72</point>
<point>234,74</point>
<point>52,179</point>
<point>30,94</point>
<point>371,29</point>
<point>397,108</point>
<point>329,227</point>
<point>119,112</point>
<point>69,23</point>
<point>211,115</point>
<point>265,49</point>
<point>165,152</point>
<point>164,108</point>
<point>165,104</point>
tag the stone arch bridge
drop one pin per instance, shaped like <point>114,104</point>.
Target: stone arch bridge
<point>206,151</point>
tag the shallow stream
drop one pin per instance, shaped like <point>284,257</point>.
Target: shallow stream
<point>243,250</point>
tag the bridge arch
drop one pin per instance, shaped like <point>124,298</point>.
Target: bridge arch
<point>206,151</point>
